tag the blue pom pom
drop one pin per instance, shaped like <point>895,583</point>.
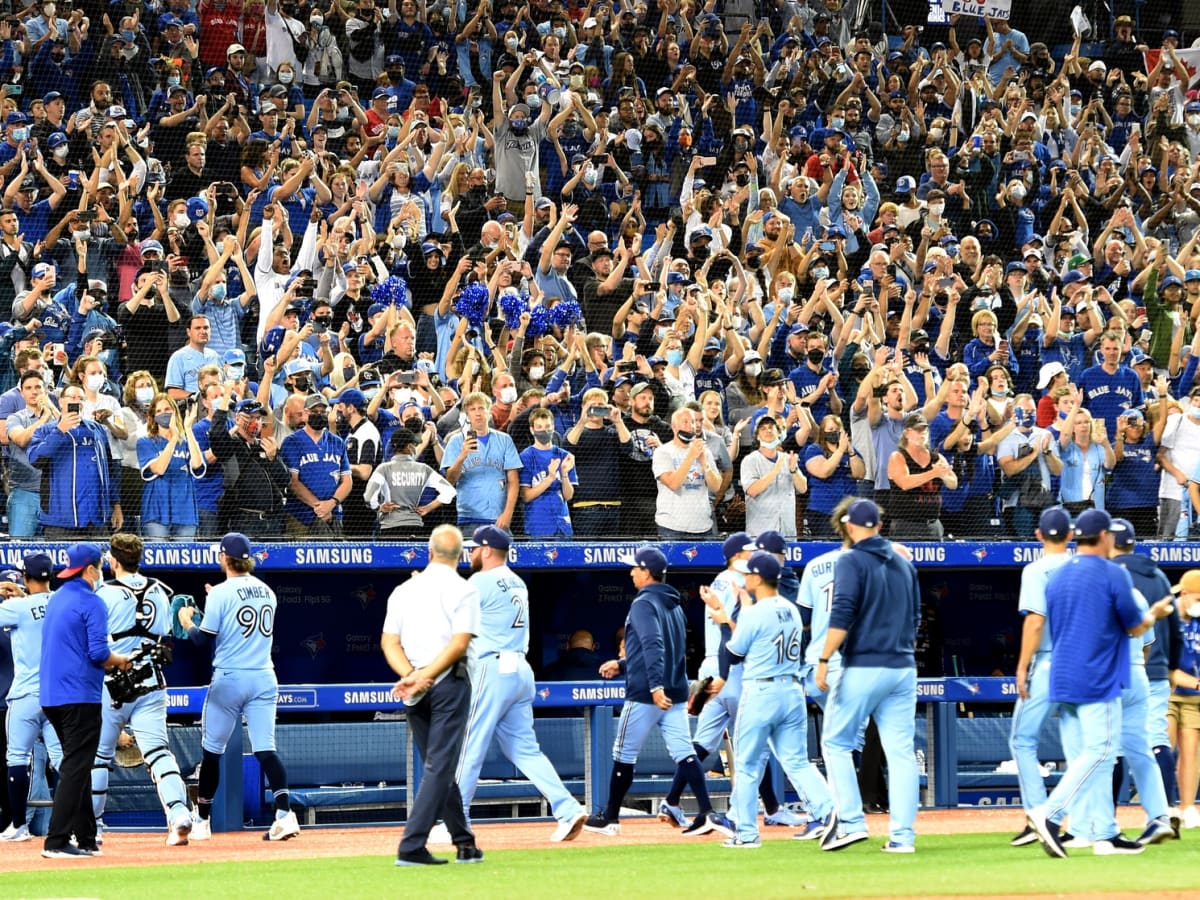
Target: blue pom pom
<point>565,314</point>
<point>539,322</point>
<point>472,304</point>
<point>392,292</point>
<point>512,305</point>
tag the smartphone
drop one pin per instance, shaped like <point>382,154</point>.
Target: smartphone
<point>1003,344</point>
<point>15,90</point>
<point>828,246</point>
<point>807,237</point>
<point>59,350</point>
<point>319,328</point>
<point>868,285</point>
<point>74,409</point>
<point>599,160</point>
<point>1141,310</point>
<point>626,366</point>
<point>708,160</point>
<point>945,282</point>
<point>600,412</point>
<point>891,271</point>
<point>87,215</point>
<point>406,378</point>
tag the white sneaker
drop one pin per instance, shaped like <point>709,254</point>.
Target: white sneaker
<point>177,836</point>
<point>1076,843</point>
<point>787,817</point>
<point>201,829</point>
<point>439,834</point>
<point>569,830</point>
<point>1191,817</point>
<point>284,828</point>
<point>16,835</point>
<point>99,832</point>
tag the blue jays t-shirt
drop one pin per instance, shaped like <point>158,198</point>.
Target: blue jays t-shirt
<point>482,487</point>
<point>1108,396</point>
<point>546,515</point>
<point>319,464</point>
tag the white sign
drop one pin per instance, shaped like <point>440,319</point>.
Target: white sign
<point>992,9</point>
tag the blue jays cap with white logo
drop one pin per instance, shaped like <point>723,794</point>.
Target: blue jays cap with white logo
<point>236,545</point>
<point>38,565</point>
<point>1191,275</point>
<point>760,563</point>
<point>1092,523</point>
<point>735,544</point>
<point>234,358</point>
<point>771,541</point>
<point>352,397</point>
<point>1123,533</point>
<point>649,558</point>
<point>489,536</point>
<point>79,557</point>
<point>1170,281</point>
<point>272,341</point>
<point>863,513</point>
<point>676,278</point>
<point>151,247</point>
<point>250,408</point>
<point>1054,522</point>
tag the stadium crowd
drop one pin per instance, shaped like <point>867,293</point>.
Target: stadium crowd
<point>590,269</point>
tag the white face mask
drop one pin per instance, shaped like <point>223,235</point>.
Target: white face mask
<point>508,394</point>
<point>536,373</point>
<point>94,382</point>
<point>144,395</point>
<point>400,396</point>
<point>786,294</point>
<point>936,209</point>
<point>181,220</point>
<point>754,369</point>
<point>935,134</point>
<point>61,151</point>
<point>1194,120</point>
<point>1018,192</point>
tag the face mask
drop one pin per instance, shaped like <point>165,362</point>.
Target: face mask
<point>837,122</point>
<point>61,152</point>
<point>999,392</point>
<point>1018,192</point>
<point>674,357</point>
<point>742,179</point>
<point>577,82</point>
<point>301,385</point>
<point>739,322</point>
<point>50,9</point>
<point>218,291</point>
<point>20,134</point>
<point>542,437</point>
<point>685,437</point>
<point>770,445</point>
<point>393,132</point>
<point>512,44</point>
<point>163,420</point>
<point>820,274</point>
<point>128,36</point>
<point>936,209</point>
<point>172,80</point>
<point>414,425</point>
<point>519,126</point>
<point>560,33</point>
<point>181,221</point>
<point>401,396</point>
<point>286,77</point>
<point>144,395</point>
<point>903,135</point>
<point>536,373</point>
<point>317,421</point>
<point>234,373</point>
<point>741,146</point>
<point>935,134</point>
<point>508,394</point>
<point>1024,418</point>
<point>316,21</point>
<point>816,356</point>
<point>590,179</point>
<point>1194,120</point>
<point>94,382</point>
<point>81,235</point>
<point>832,437</point>
<point>534,102</point>
<point>1194,412</point>
<point>786,294</point>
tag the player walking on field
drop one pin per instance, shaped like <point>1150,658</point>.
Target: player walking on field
<point>502,688</point>
<point>239,620</point>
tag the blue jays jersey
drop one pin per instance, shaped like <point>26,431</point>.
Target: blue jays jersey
<point>768,636</point>
<point>503,612</point>
<point>320,466</point>
<point>24,617</point>
<point>135,600</point>
<point>1033,590</point>
<point>816,593</point>
<point>241,614</point>
<point>725,586</point>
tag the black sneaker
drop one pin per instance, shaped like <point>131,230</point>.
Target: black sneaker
<point>420,857</point>
<point>1028,836</point>
<point>469,853</point>
<point>598,824</point>
<point>67,852</point>
<point>1047,833</point>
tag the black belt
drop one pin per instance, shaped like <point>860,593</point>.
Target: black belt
<point>785,678</point>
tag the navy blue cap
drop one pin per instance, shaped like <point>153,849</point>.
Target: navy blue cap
<point>12,576</point>
<point>1092,523</point>
<point>771,541</point>
<point>250,408</point>
<point>352,397</point>
<point>79,557</point>
<point>760,563</point>
<point>1123,533</point>
<point>1054,522</point>
<point>38,565</point>
<point>676,278</point>
<point>863,513</point>
<point>489,536</point>
<point>236,545</point>
<point>649,558</point>
<point>735,544</point>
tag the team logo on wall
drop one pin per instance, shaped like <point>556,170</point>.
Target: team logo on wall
<point>364,595</point>
<point>690,553</point>
<point>551,555</point>
<point>314,644</point>
<point>408,555</point>
<point>980,554</point>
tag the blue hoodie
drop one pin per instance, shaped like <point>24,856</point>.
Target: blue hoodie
<point>877,600</point>
<point>655,645</point>
<point>1149,579</point>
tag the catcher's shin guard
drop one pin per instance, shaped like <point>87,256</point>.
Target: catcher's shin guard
<point>101,769</point>
<point>164,772</point>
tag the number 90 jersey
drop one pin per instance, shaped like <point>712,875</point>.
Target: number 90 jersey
<point>240,612</point>
<point>503,612</point>
<point>132,601</point>
<point>768,635</point>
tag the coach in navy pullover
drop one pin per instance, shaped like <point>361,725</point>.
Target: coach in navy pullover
<point>655,645</point>
<point>877,601</point>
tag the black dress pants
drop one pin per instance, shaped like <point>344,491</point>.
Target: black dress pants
<point>78,728</point>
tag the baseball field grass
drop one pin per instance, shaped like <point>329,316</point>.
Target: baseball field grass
<point>945,865</point>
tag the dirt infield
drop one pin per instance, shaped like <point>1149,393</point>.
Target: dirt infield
<point>147,849</point>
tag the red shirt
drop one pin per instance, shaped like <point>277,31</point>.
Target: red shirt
<point>219,28</point>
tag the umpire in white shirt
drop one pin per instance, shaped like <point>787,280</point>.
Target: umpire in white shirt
<point>431,619</point>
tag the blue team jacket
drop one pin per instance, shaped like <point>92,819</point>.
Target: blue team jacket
<point>82,492</point>
<point>1168,635</point>
<point>74,646</point>
<point>655,645</point>
<point>877,600</point>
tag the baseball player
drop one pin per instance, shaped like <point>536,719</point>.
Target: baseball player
<point>502,688</point>
<point>720,712</point>
<point>773,710</point>
<point>656,692</point>
<point>24,617</point>
<point>138,610</point>
<point>873,621</point>
<point>1033,665</point>
<point>816,596</point>
<point>239,620</point>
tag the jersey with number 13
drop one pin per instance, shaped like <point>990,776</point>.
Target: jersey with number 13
<point>241,614</point>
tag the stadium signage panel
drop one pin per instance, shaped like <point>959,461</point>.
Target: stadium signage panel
<point>993,9</point>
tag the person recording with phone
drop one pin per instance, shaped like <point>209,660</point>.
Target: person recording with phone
<point>83,497</point>
<point>484,467</point>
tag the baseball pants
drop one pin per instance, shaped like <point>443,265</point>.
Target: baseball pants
<point>1028,718</point>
